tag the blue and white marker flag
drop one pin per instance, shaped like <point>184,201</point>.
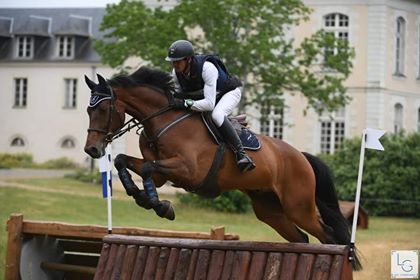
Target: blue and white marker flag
<point>370,140</point>
<point>105,167</point>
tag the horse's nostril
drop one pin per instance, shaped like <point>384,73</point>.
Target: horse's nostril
<point>93,151</point>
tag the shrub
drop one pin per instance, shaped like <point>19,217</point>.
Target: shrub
<point>16,160</point>
<point>59,163</point>
<point>391,181</point>
<point>231,202</point>
<point>86,176</point>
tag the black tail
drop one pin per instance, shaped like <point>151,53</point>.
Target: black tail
<point>327,203</point>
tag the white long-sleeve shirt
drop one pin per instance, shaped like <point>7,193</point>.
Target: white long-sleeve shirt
<point>210,75</point>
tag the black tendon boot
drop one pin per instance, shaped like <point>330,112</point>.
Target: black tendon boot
<point>244,162</point>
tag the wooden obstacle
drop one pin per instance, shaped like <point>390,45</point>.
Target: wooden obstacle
<point>80,245</point>
<point>129,257</point>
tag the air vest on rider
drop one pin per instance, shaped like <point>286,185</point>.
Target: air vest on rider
<point>193,85</point>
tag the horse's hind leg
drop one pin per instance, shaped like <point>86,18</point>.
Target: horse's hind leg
<point>147,198</point>
<point>302,212</point>
<point>268,209</point>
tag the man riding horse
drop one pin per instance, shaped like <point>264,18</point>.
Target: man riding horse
<point>204,84</point>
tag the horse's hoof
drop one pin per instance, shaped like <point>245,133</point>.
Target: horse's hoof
<point>142,200</point>
<point>165,210</point>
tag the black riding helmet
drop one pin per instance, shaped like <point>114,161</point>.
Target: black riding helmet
<point>179,50</point>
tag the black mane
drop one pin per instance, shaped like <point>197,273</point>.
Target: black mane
<point>144,76</point>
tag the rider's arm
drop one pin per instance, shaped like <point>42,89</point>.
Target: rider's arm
<point>210,75</point>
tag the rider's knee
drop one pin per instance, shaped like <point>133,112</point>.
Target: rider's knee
<point>218,116</point>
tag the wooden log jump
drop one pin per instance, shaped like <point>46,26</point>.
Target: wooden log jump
<point>129,257</point>
<point>80,244</point>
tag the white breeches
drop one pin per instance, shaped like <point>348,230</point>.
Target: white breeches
<point>225,106</point>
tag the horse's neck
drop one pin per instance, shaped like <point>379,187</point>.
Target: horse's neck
<point>141,102</point>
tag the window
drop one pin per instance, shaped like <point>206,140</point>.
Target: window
<point>65,46</point>
<point>21,91</point>
<point>17,142</point>
<point>338,25</point>
<point>25,46</point>
<point>398,117</point>
<point>272,120</point>
<point>332,131</point>
<point>418,53</point>
<point>400,46</point>
<point>418,120</point>
<point>70,97</point>
<point>68,143</point>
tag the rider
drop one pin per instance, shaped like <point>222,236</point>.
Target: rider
<point>204,84</point>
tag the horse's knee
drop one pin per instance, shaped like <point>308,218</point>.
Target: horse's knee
<point>120,161</point>
<point>147,169</point>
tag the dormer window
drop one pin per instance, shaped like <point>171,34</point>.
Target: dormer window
<point>65,47</point>
<point>24,46</point>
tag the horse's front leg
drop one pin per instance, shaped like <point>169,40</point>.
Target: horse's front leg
<point>147,198</point>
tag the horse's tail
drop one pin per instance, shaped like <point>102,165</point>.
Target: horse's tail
<point>327,203</point>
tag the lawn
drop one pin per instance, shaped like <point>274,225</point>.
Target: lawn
<point>74,202</point>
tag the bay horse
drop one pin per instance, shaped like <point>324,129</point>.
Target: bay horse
<point>285,188</point>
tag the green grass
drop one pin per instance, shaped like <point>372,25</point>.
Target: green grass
<point>70,201</point>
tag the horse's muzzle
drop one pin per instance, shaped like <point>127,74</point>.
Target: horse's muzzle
<point>94,151</point>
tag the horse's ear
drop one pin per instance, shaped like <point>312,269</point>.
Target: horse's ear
<point>101,80</point>
<point>91,84</point>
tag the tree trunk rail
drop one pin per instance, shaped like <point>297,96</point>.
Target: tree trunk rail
<point>134,257</point>
<point>79,245</point>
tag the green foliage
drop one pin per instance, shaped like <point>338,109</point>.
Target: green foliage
<point>16,160</point>
<point>249,35</point>
<point>230,202</point>
<point>86,176</point>
<point>58,163</point>
<point>24,160</point>
<point>391,181</point>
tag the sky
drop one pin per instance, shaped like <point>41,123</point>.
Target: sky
<point>54,3</point>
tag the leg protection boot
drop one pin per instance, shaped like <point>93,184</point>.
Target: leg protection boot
<point>244,162</point>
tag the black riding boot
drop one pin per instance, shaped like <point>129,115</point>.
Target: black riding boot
<point>243,161</point>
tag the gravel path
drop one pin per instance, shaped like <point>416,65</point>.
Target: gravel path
<point>18,173</point>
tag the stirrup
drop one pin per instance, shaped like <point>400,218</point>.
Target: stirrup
<point>245,163</point>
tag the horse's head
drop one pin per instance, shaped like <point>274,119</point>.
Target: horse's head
<point>106,117</point>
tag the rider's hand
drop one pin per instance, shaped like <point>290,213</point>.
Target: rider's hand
<point>182,103</point>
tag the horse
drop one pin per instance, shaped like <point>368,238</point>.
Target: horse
<point>286,188</point>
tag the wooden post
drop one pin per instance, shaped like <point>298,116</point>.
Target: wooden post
<point>14,245</point>
<point>217,233</point>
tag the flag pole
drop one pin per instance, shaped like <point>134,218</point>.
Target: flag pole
<point>358,188</point>
<point>108,185</point>
<point>370,140</point>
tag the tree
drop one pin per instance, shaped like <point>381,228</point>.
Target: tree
<point>250,35</point>
<point>391,181</point>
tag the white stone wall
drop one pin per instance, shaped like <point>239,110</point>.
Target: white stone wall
<point>43,123</point>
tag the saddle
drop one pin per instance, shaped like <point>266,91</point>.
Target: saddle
<point>209,188</point>
<point>248,138</point>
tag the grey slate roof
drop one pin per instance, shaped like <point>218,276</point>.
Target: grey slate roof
<point>46,23</point>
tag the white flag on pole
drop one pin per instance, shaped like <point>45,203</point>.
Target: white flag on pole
<point>372,138</point>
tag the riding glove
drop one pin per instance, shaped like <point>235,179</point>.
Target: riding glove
<point>182,103</point>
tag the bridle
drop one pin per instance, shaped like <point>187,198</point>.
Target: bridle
<point>109,135</point>
<point>127,126</point>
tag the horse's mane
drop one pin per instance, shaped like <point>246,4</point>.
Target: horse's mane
<point>144,76</point>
